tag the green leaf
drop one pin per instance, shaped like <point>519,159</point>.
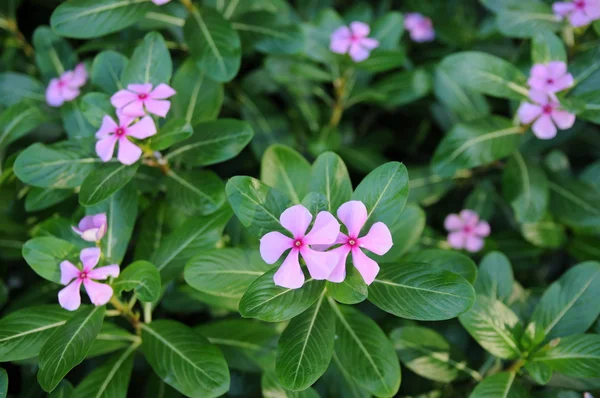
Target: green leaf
<point>340,383</point>
<point>494,326</point>
<point>382,60</point>
<point>16,87</point>
<point>265,32</point>
<point>466,104</point>
<point>452,261</point>
<point>495,278</point>
<point>19,120</point>
<point>526,20</point>
<point>525,186</point>
<point>329,176</point>
<point>305,347</point>
<point>591,111</point>
<point>539,372</point>
<point>500,385</point>
<point>546,47</point>
<point>94,106</point>
<point>406,232</point>
<point>421,291</point>
<point>42,198</point>
<point>213,43</point>
<point>486,74</point>
<point>199,98</point>
<point>75,123</point>
<point>212,142</point>
<point>575,356</point>
<point>568,306</point>
<point>545,233</point>
<point>111,338</point>
<point>475,143</point>
<point>107,69</point>
<point>266,301</point>
<point>24,332</point>
<point>223,275</point>
<point>62,165</point>
<point>3,383</point>
<point>150,62</point>
<point>384,192</point>
<point>272,389</point>
<point>85,19</point>
<point>402,88</point>
<point>111,379</point>
<point>142,277</point>
<point>287,171</point>
<point>425,187</point>
<point>388,30</point>
<point>104,182</point>
<point>184,359</point>
<point>352,290</point>
<point>45,254</point>
<point>481,200</point>
<point>173,131</point>
<point>366,352</point>
<point>68,346</point>
<point>53,54</point>
<point>575,203</point>
<point>64,390</point>
<point>200,191</point>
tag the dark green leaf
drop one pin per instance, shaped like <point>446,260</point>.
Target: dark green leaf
<point>575,203</point>
<point>111,338</point>
<point>265,32</point>
<point>452,261</point>
<point>104,182</point>
<point>495,278</point>
<point>500,385</point>
<point>546,47</point>
<point>200,191</point>
<point>174,131</point>
<point>18,120</point>
<point>75,123</point>
<point>16,87</point>
<point>525,186</point>
<point>150,62</point>
<point>142,277</point>
<point>406,232</point>
<point>287,171</point>
<point>53,54</point>
<point>352,290</point>
<point>111,379</point>
<point>388,30</point>
<point>42,198</point>
<point>575,356</point>
<point>44,256</point>
<point>526,20</point>
<point>466,104</point>
<point>329,176</point>
<point>94,106</point>
<point>107,69</point>
<point>425,187</point>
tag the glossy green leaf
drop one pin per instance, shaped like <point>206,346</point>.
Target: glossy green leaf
<point>42,198</point>
<point>53,54</point>
<point>545,233</point>
<point>19,120</point>
<point>452,261</point>
<point>340,383</point>
<point>352,290</point>
<point>94,106</point>
<point>287,171</point>
<point>495,277</point>
<point>406,232</point>
<point>329,176</point>
<point>425,187</point>
<point>16,87</point>
<point>525,186</point>
<point>200,191</point>
<point>150,62</point>
<point>539,372</point>
<point>3,383</point>
<point>382,61</point>
<point>481,200</point>
<point>526,20</point>
<point>111,379</point>
<point>388,30</point>
<point>107,69</point>
<point>402,88</point>
<point>575,356</point>
<point>74,121</point>
<point>104,182</point>
<point>501,385</point>
<point>265,32</point>
<point>111,338</point>
<point>172,132</point>
<point>142,277</point>
<point>271,388</point>
<point>547,46</point>
<point>575,203</point>
<point>466,104</point>
<point>45,254</point>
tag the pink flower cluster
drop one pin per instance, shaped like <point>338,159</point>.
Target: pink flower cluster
<point>545,112</point>
<point>419,27</point>
<point>325,233</point>
<point>467,231</point>
<point>578,12</point>
<point>354,41</point>
<point>66,87</point>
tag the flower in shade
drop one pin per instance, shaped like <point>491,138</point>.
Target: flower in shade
<point>550,78</point>
<point>378,240</point>
<point>160,2</point>
<point>466,230</point>
<point>420,27</point>
<point>354,41</point>
<point>92,228</point>
<point>296,220</point>
<point>579,12</point>
<point>110,132</point>
<point>141,98</point>
<point>66,87</point>
<point>546,115</point>
<point>99,293</point>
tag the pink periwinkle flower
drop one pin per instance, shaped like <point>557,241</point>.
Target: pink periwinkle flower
<point>354,41</point>
<point>99,293</point>
<point>378,240</point>
<point>141,98</point>
<point>419,27</point>
<point>92,228</point>
<point>110,132</point>
<point>66,87</point>
<point>550,78</point>
<point>296,220</point>
<point>466,230</point>
<point>547,113</point>
<point>579,12</point>
<point>160,2</point>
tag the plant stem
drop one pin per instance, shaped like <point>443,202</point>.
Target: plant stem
<point>13,28</point>
<point>126,312</point>
<point>147,312</point>
<point>514,368</point>
<point>188,4</point>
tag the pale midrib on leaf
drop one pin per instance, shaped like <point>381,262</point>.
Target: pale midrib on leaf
<point>308,333</point>
<point>347,376</point>
<point>381,195</point>
<point>188,147</point>
<point>59,162</point>
<point>180,22</point>
<point>99,9</point>
<point>568,195</point>
<point>230,9</point>
<point>209,40</point>
<point>482,138</point>
<point>568,356</point>
<point>193,99</point>
<point>36,330</point>
<point>189,186</point>
<point>260,29</point>
<point>107,178</point>
<point>501,333</point>
<point>275,296</point>
<point>508,385</point>
<point>508,84</point>
<point>115,368</point>
<point>258,204</point>
<point>14,122</point>
<point>526,180</point>
<point>286,179</point>
<point>232,271</point>
<point>327,187</point>
<point>418,288</point>
<point>148,63</point>
<point>235,343</point>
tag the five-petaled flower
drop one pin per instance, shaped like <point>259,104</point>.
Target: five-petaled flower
<point>419,26</point>
<point>92,228</point>
<point>296,220</point>
<point>378,240</point>
<point>579,12</point>
<point>550,78</point>
<point>110,132</point>
<point>547,114</point>
<point>354,41</point>
<point>99,293</point>
<point>139,98</point>
<point>466,230</point>
<point>66,87</point>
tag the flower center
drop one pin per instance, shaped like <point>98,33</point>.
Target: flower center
<point>550,81</point>
<point>61,83</point>
<point>579,4</point>
<point>468,229</point>
<point>547,109</point>
<point>83,275</point>
<point>120,132</point>
<point>354,38</point>
<point>298,243</point>
<point>142,96</point>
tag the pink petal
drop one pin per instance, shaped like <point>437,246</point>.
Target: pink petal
<point>86,222</point>
<point>102,224</point>
<point>69,93</point>
<point>290,275</point>
<point>106,147</point>
<point>339,45</point>
<point>579,18</point>
<point>143,129</point>
<point>324,231</point>
<point>102,273</point>
<point>158,107</point>
<point>563,82</point>
<point>319,264</point>
<point>69,297</point>
<point>538,83</point>
<point>89,258</point>
<point>341,238</point>
<point>129,153</point>
<point>563,119</point>
<point>469,217</point>
<point>134,109</point>
<point>53,94</point>
<point>543,128</point>
<point>160,2</point>
<point>539,71</point>
<point>360,29</point>
<point>343,32</point>
<point>592,9</point>
<point>482,229</point>
<point>422,34</point>
<point>162,91</point>
<point>453,222</point>
<point>125,120</point>
<point>79,77</point>
<point>412,20</point>
<point>369,43</point>
<point>528,112</point>
<point>272,246</point>
<point>378,240</point>
<point>122,98</point>
<point>358,53</point>
<point>108,126</point>
<point>353,215</point>
<point>563,8</point>
<point>456,239</point>
<point>99,293</point>
<point>68,272</point>
<point>296,219</point>
<point>557,69</point>
<point>368,268</point>
<point>144,88</point>
<point>90,235</point>
<point>474,244</point>
<point>339,272</point>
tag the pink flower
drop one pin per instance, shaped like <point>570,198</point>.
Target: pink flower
<point>466,230</point>
<point>92,228</point>
<point>378,240</point>
<point>296,219</point>
<point>160,2</point>
<point>99,293</point>
<point>66,87</point>
<point>579,12</point>
<point>546,112</point>
<point>353,41</point>
<point>420,27</point>
<point>111,132</point>
<point>139,98</point>
<point>550,78</point>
